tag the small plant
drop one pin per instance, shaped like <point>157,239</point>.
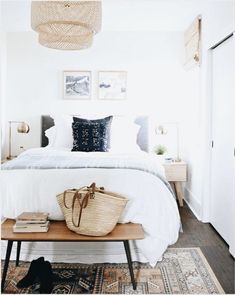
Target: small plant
<point>160,149</point>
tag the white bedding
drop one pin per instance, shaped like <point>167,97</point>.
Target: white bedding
<point>138,176</point>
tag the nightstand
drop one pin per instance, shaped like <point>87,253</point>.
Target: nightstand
<point>176,173</point>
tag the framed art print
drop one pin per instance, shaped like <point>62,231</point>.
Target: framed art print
<point>77,85</point>
<point>112,85</point>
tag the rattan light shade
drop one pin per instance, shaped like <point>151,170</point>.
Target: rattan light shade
<point>66,25</point>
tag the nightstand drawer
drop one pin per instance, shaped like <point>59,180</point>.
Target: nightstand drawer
<point>176,171</point>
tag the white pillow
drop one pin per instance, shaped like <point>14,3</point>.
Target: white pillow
<point>124,135</point>
<point>50,134</point>
<point>63,131</point>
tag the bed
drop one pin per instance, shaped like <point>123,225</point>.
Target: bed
<point>32,180</point>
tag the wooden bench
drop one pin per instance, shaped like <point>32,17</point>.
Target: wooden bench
<point>58,232</point>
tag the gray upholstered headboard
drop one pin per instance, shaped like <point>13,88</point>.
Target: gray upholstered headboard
<point>142,137</point>
<point>46,123</point>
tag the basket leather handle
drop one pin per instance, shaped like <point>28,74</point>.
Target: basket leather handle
<point>82,204</point>
<point>91,188</point>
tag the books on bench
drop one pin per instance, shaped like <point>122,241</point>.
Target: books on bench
<point>31,228</point>
<point>31,222</point>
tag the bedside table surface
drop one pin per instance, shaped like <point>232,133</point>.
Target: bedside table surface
<point>174,163</point>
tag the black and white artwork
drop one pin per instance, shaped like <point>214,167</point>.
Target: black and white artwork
<point>112,85</point>
<point>77,85</point>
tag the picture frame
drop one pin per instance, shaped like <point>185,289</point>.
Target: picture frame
<point>112,85</point>
<point>77,85</point>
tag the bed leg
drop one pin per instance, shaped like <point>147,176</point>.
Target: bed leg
<point>129,260</point>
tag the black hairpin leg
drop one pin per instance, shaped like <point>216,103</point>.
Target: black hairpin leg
<point>129,260</point>
<point>8,254</point>
<point>18,253</point>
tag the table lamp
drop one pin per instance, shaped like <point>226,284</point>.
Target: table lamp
<point>21,128</point>
<point>161,129</point>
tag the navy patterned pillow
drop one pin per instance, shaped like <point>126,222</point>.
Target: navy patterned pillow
<point>91,135</point>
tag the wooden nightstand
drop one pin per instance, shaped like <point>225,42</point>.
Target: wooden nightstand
<point>176,173</point>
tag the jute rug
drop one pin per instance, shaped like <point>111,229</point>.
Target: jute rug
<point>182,271</point>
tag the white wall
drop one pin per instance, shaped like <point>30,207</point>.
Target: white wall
<point>157,83</point>
<point>191,149</point>
<point>218,21</point>
<point>2,83</point>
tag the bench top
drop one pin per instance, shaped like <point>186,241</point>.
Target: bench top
<point>58,231</point>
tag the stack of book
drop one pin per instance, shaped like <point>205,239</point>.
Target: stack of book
<point>30,222</point>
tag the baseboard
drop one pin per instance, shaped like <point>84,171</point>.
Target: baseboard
<point>193,203</point>
<point>232,250</point>
<point>2,219</point>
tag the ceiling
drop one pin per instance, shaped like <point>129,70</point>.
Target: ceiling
<point>118,15</point>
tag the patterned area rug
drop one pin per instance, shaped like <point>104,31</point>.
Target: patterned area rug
<point>182,271</point>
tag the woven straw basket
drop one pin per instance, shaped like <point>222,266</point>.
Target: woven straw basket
<point>91,210</point>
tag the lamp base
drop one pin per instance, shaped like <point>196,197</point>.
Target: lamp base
<point>10,157</point>
<point>177,160</point>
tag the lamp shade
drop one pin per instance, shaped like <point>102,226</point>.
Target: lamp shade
<point>66,42</point>
<point>23,128</point>
<point>160,130</point>
<point>67,25</point>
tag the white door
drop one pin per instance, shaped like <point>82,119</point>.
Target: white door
<point>223,134</point>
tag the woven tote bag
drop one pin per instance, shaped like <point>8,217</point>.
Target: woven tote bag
<point>91,210</point>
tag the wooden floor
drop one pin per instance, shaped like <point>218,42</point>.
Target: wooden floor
<point>203,235</point>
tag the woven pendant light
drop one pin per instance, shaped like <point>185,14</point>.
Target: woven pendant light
<point>66,25</point>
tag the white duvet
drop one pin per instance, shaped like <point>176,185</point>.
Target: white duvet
<point>32,181</point>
